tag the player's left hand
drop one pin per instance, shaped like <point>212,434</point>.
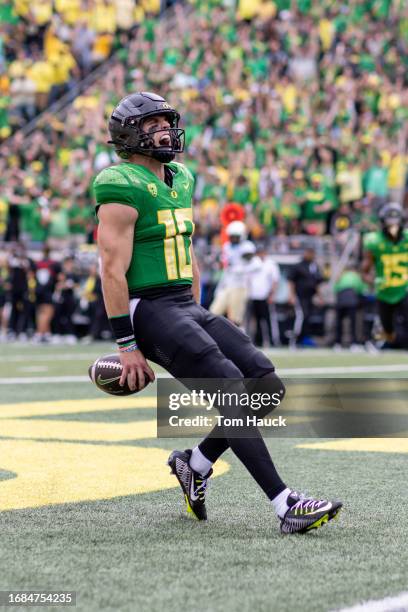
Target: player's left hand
<point>135,369</point>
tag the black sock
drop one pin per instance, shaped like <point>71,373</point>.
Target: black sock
<point>250,450</point>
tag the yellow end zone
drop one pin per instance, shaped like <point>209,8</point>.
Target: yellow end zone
<point>29,409</point>
<point>59,472</point>
<point>91,431</point>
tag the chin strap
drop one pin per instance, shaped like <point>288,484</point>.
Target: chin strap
<point>163,156</point>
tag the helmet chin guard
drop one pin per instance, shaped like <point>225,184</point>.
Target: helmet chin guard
<point>128,136</point>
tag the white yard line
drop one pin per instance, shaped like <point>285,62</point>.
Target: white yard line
<point>33,368</point>
<point>43,380</point>
<point>283,372</point>
<point>399,603</point>
<point>47,357</point>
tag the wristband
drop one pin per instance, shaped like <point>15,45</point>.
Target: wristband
<point>123,331</point>
<point>128,349</point>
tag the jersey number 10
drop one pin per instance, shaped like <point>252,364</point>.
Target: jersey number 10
<point>177,244</point>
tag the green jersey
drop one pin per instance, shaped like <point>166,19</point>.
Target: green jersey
<point>162,238</point>
<point>391,265</point>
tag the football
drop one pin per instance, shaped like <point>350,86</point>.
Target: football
<point>105,372</point>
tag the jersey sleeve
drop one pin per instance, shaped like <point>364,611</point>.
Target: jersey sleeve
<point>370,242</point>
<point>111,186</point>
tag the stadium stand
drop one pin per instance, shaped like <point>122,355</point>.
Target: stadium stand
<point>294,110</point>
<point>48,47</point>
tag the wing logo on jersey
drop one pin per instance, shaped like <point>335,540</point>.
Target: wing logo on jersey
<point>174,194</point>
<point>152,187</point>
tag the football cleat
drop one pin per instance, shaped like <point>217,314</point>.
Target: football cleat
<point>193,484</point>
<point>307,513</point>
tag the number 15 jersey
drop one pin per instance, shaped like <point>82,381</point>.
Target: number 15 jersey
<point>391,265</point>
<point>162,240</point>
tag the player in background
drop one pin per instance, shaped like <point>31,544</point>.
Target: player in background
<point>386,251</point>
<point>263,285</point>
<point>150,281</point>
<point>231,294</point>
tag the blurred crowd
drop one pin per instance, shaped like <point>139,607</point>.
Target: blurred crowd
<point>49,299</point>
<point>296,110</point>
<point>48,46</point>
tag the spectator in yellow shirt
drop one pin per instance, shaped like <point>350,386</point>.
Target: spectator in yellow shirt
<point>104,17</point>
<point>350,180</point>
<point>41,74</point>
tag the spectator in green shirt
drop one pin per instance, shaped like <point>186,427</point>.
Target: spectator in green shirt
<point>317,206</point>
<point>376,182</point>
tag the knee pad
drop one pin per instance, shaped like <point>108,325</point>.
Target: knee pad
<point>213,364</point>
<point>271,384</point>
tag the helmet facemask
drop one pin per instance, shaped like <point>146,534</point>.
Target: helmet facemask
<point>132,139</point>
<point>392,220</point>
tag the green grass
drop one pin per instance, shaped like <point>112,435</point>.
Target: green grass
<point>140,552</point>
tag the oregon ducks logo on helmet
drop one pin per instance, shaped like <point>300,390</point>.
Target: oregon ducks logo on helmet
<point>166,105</point>
<point>152,187</point>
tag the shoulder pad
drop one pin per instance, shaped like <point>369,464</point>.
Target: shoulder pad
<point>183,169</point>
<point>371,240</point>
<point>111,176</point>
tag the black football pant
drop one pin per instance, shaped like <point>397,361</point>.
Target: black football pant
<point>259,309</point>
<point>394,319</point>
<point>62,320</point>
<point>346,312</point>
<point>190,342</point>
<point>20,313</point>
<point>306,305</point>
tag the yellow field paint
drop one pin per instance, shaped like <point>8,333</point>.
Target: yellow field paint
<point>51,473</point>
<point>56,472</point>
<point>367,445</point>
<point>77,430</point>
<point>28,409</point>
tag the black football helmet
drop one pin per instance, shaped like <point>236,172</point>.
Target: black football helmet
<point>392,219</point>
<point>126,127</point>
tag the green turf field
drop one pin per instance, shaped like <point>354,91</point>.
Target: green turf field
<point>87,503</point>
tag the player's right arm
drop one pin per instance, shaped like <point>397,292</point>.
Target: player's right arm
<point>115,243</point>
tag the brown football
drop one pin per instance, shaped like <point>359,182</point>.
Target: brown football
<point>105,372</point>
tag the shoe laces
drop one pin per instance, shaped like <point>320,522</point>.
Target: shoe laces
<point>306,504</point>
<point>202,484</point>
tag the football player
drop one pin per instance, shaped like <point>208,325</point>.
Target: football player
<point>231,295</point>
<point>386,250</point>
<point>150,282</point>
